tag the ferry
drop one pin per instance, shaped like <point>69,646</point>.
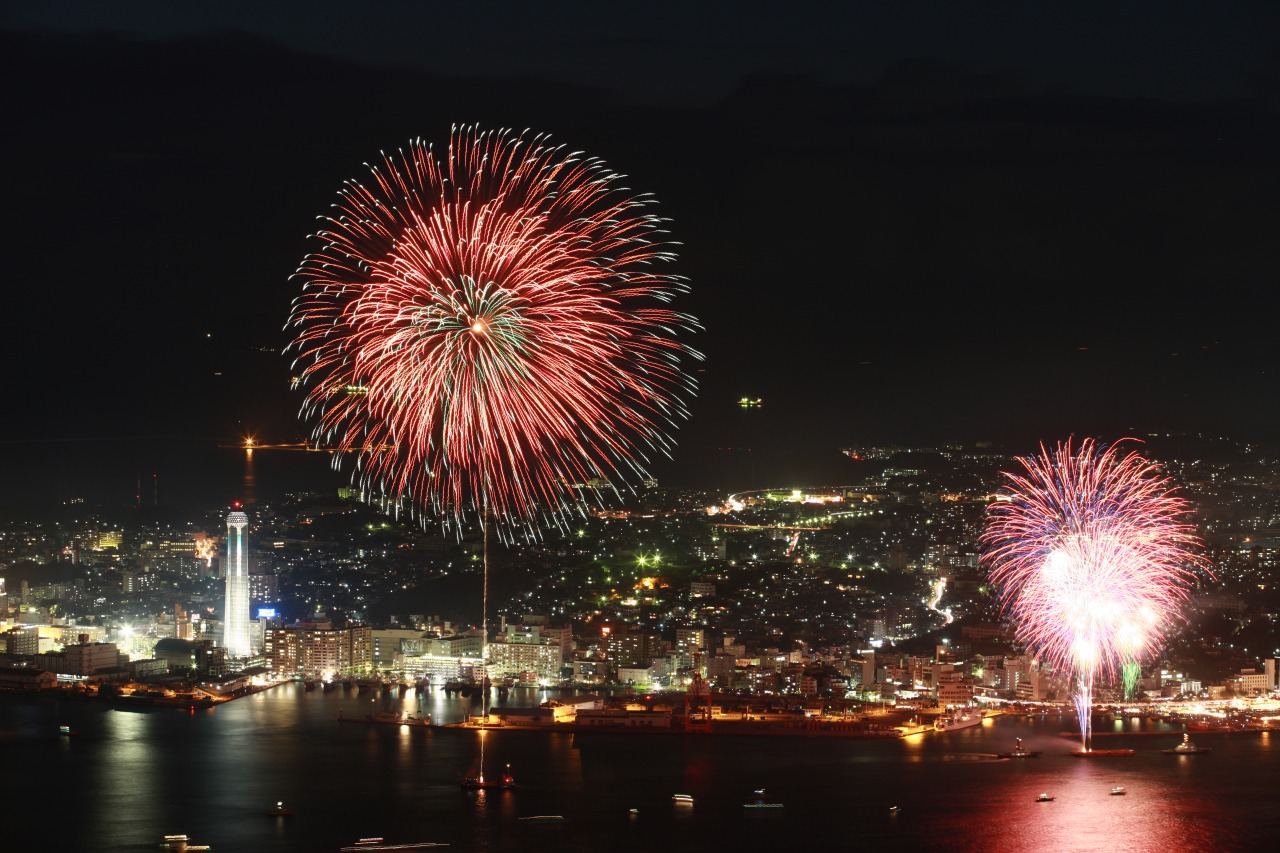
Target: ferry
<point>958,718</point>
<point>1118,791</point>
<point>544,818</point>
<point>1187,748</point>
<point>181,844</point>
<point>1044,798</point>
<point>679,799</point>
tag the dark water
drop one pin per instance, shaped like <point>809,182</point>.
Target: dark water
<point>174,474</point>
<point>130,777</point>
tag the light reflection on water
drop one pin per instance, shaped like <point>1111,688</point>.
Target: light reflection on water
<point>133,776</point>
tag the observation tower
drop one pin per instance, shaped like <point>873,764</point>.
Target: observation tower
<point>235,620</point>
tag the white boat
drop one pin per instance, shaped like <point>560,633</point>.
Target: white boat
<point>760,800</point>
<point>1118,791</point>
<point>958,718</point>
<point>682,798</point>
<point>380,844</point>
<point>1187,748</point>
<point>1044,798</point>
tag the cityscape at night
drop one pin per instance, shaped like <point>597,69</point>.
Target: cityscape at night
<point>574,426</point>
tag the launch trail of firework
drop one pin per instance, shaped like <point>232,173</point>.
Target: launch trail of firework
<point>1092,557</point>
<point>485,329</point>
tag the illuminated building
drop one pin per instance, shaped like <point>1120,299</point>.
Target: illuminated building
<point>235,623</point>
<point>519,651</point>
<point>318,649</point>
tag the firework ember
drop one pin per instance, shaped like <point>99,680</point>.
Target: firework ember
<point>486,326</point>
<point>1092,559</point>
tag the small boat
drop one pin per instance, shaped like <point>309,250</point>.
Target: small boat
<point>1118,791</point>
<point>544,818</point>
<point>894,809</point>
<point>1019,752</point>
<point>181,843</point>
<point>759,800</point>
<point>381,844</point>
<point>279,810</point>
<point>67,731</point>
<point>1044,798</point>
<point>1187,748</point>
<point>634,811</point>
<point>479,783</point>
<point>682,799</point>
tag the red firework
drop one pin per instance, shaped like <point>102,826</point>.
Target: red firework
<point>486,327</point>
<point>1091,555</point>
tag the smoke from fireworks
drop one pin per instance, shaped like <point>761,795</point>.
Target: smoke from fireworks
<point>1091,556</point>
<point>486,326</point>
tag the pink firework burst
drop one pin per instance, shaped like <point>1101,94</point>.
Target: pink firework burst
<point>1091,555</point>
<point>487,327</point>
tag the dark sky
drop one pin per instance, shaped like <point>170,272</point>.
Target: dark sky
<point>910,224</point>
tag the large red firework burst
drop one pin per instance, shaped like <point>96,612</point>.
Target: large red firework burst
<point>486,326</point>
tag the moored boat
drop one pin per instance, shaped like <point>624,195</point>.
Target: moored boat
<point>958,718</point>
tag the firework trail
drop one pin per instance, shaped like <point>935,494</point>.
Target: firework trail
<point>1092,558</point>
<point>486,327</point>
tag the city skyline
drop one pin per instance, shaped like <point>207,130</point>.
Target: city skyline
<point>898,238</point>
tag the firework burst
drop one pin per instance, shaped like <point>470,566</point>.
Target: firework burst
<point>1092,559</point>
<point>486,327</point>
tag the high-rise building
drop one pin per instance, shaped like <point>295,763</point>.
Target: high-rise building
<point>235,621</point>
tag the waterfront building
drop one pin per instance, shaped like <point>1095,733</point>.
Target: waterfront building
<point>81,659</point>
<point>235,622</point>
<point>317,649</point>
<point>521,650</point>
<point>25,678</point>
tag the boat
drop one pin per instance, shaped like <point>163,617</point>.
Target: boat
<point>1103,753</point>
<point>381,844</point>
<point>394,718</point>
<point>894,809</point>
<point>1044,798</point>
<point>958,718</point>
<point>279,810</point>
<point>181,843</point>
<point>1019,752</point>
<point>477,782</point>
<point>544,818</point>
<point>759,800</point>
<point>682,799</point>
<point>1187,747</point>
<point>1118,791</point>
<point>67,731</point>
<point>634,811</point>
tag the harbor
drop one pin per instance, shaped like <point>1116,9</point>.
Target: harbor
<point>342,782</point>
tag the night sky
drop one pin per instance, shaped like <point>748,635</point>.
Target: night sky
<point>908,225</point>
